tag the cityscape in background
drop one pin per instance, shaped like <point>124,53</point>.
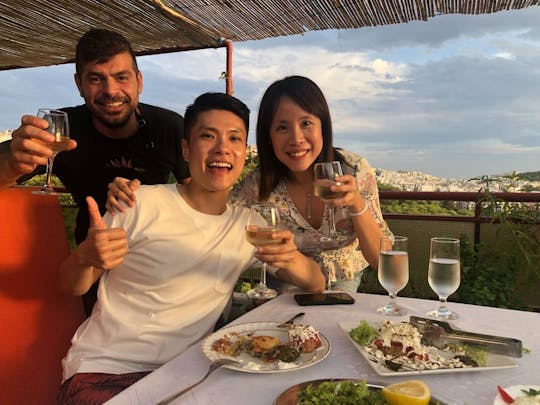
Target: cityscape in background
<point>412,180</point>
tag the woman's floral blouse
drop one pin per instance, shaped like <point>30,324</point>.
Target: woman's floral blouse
<point>339,260</point>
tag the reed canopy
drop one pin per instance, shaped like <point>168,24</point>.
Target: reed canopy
<point>44,32</point>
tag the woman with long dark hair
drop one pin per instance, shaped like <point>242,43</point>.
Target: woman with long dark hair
<point>294,131</point>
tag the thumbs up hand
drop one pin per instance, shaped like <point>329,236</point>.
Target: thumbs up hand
<point>103,248</point>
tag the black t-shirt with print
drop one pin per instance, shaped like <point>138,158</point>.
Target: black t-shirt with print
<point>150,156</point>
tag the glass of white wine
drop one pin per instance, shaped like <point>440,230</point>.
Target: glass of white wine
<point>393,271</point>
<point>324,175</point>
<point>444,273</point>
<point>263,221</point>
<point>59,127</point>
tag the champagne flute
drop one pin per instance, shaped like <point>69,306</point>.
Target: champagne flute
<point>324,175</point>
<point>263,221</point>
<point>444,273</point>
<point>59,127</point>
<point>393,271</point>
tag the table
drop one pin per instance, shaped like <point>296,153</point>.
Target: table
<point>344,361</point>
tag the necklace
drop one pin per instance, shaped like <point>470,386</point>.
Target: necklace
<point>308,198</point>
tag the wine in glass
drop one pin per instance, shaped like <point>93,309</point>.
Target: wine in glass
<point>262,223</point>
<point>59,127</point>
<point>444,273</point>
<point>324,175</point>
<point>393,271</point>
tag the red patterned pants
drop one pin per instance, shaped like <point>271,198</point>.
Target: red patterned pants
<point>95,388</point>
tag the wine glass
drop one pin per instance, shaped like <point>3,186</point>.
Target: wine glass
<point>59,127</point>
<point>444,273</point>
<point>324,175</point>
<point>393,271</point>
<point>263,221</point>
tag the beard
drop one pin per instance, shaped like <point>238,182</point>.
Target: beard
<point>114,120</point>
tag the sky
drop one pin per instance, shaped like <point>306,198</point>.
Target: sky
<point>456,96</point>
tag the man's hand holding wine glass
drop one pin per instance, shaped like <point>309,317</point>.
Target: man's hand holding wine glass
<point>280,254</point>
<point>29,145</point>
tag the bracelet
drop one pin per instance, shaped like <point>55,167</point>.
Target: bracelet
<point>357,214</point>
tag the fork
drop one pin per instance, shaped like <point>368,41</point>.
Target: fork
<point>215,365</point>
<point>289,321</point>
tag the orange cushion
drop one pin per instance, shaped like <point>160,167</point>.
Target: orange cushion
<point>37,320</point>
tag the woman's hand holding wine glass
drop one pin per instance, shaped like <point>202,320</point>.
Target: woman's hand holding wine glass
<point>324,177</point>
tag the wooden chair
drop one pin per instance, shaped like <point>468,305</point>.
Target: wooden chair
<point>37,320</point>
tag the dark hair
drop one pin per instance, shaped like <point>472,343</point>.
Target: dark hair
<point>214,101</point>
<point>310,98</point>
<point>101,45</point>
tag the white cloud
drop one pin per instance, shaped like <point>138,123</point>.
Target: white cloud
<point>454,96</point>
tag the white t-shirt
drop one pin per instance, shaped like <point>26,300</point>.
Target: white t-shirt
<point>171,288</point>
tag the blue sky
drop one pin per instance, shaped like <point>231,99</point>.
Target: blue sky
<point>456,96</point>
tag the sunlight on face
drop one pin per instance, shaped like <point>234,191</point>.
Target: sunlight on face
<point>111,90</point>
<point>296,136</point>
<point>216,151</point>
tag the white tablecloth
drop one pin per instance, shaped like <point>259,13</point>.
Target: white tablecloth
<point>237,388</point>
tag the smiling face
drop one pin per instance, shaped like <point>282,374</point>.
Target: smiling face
<point>111,92</point>
<point>216,150</point>
<point>296,136</point>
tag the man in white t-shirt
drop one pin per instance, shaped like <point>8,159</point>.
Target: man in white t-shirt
<point>168,267</point>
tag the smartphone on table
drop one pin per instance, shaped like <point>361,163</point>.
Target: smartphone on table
<point>331,298</point>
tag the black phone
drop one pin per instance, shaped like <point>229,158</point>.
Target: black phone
<point>332,298</point>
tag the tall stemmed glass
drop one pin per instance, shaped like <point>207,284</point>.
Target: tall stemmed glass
<point>59,127</point>
<point>444,273</point>
<point>263,221</point>
<point>324,175</point>
<point>393,271</point>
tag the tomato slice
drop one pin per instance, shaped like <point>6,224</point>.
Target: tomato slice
<point>505,395</point>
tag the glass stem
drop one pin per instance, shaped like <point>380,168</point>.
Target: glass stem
<point>331,220</point>
<point>263,275</point>
<point>50,162</point>
<point>443,307</point>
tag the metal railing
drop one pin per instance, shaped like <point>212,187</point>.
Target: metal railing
<point>462,196</point>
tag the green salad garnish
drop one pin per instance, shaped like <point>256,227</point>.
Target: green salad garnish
<point>340,392</point>
<point>364,333</point>
<point>475,353</point>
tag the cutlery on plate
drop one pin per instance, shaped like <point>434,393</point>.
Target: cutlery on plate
<point>290,320</point>
<point>437,333</point>
<point>215,365</point>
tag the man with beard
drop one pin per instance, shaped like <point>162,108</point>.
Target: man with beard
<point>112,133</point>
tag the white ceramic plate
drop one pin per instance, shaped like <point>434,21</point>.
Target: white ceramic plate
<point>250,364</point>
<point>515,392</point>
<point>493,362</point>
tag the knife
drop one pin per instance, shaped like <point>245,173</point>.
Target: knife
<point>439,334</point>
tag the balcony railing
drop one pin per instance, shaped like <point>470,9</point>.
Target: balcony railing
<point>477,228</point>
<point>420,228</point>
<point>455,196</point>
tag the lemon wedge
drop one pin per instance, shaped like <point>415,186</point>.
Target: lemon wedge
<point>412,392</point>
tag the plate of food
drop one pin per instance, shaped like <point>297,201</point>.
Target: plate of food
<point>395,349</point>
<point>267,347</point>
<point>518,395</point>
<point>354,391</point>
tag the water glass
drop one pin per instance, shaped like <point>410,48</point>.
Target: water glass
<point>393,271</point>
<point>444,274</point>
